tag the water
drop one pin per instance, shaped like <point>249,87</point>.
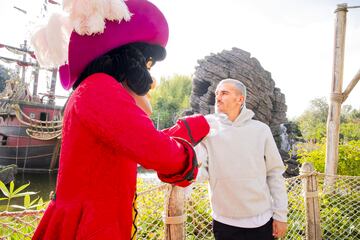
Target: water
<point>285,145</point>
<point>42,183</point>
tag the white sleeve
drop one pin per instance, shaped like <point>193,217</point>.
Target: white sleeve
<point>203,174</point>
<point>276,182</point>
<point>202,156</point>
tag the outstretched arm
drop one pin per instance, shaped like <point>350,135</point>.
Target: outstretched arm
<point>107,110</point>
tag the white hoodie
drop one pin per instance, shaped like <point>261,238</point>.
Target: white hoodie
<point>244,168</point>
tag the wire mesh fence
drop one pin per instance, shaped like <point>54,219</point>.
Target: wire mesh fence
<point>198,212</point>
<point>199,221</point>
<point>340,207</point>
<point>150,207</point>
<point>19,225</point>
<point>339,211</point>
<point>296,207</point>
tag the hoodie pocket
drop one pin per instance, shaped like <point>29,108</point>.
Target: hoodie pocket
<point>239,197</point>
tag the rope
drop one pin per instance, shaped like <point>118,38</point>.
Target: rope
<point>27,151</point>
<point>35,156</point>
<point>337,176</point>
<point>17,146</point>
<point>313,194</point>
<point>337,97</point>
<point>315,173</point>
<point>307,174</point>
<point>175,219</point>
<point>21,214</point>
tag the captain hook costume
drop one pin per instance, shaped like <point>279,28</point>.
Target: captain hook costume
<point>104,49</point>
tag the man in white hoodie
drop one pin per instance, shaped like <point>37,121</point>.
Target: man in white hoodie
<point>244,168</point>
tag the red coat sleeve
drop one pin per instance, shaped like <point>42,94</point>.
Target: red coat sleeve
<point>106,109</point>
<point>190,128</point>
<point>191,131</point>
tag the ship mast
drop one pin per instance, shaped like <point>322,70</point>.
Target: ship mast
<point>26,61</point>
<point>36,80</point>
<point>23,47</point>
<point>52,87</point>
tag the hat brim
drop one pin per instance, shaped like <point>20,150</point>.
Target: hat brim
<point>147,25</point>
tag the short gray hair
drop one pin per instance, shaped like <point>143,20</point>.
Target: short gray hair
<point>237,84</point>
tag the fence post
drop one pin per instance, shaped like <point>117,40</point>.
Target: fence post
<point>311,199</point>
<point>174,214</point>
<point>336,97</point>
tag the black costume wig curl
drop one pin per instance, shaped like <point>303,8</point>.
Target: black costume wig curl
<point>127,64</point>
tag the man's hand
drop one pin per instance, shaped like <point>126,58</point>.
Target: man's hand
<point>279,229</point>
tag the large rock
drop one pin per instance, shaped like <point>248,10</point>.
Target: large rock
<point>267,101</point>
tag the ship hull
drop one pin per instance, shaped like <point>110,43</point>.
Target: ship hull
<point>17,147</point>
<point>36,158</point>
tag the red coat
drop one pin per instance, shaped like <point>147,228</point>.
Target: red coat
<point>105,136</point>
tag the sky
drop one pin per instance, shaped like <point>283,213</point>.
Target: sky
<point>292,39</point>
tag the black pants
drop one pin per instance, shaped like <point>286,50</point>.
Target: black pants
<point>226,232</point>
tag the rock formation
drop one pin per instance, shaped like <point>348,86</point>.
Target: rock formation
<point>266,100</point>
<point>263,97</point>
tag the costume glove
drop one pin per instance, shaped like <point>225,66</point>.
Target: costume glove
<point>188,175</point>
<point>191,128</point>
<point>188,131</point>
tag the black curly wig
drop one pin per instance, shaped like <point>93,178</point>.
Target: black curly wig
<point>127,64</point>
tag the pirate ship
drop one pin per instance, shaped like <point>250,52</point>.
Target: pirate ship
<point>30,123</point>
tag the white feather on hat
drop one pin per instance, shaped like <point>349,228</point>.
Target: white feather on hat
<point>86,17</point>
<point>51,41</point>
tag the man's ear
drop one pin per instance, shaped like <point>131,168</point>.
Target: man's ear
<point>241,99</point>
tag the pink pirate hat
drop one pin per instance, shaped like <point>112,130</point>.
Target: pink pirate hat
<point>147,24</point>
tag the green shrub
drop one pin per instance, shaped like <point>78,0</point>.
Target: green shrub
<point>18,227</point>
<point>349,157</point>
<point>338,216</point>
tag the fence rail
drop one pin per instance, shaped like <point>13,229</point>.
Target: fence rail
<point>315,211</point>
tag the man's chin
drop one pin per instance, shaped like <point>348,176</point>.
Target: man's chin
<point>218,110</point>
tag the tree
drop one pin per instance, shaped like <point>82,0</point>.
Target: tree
<point>350,125</point>
<point>4,75</point>
<point>349,157</point>
<point>354,115</point>
<point>348,114</point>
<point>312,122</point>
<point>169,99</point>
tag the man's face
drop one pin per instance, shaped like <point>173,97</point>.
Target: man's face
<point>228,99</point>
